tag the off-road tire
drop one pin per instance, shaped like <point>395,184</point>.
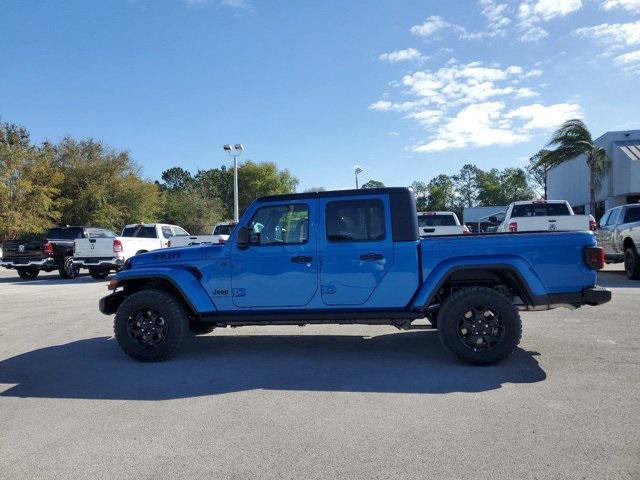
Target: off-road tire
<point>632,263</point>
<point>28,273</point>
<point>68,270</point>
<point>460,303</point>
<point>172,313</point>
<point>99,273</point>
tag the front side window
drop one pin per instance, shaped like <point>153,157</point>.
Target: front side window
<point>180,232</point>
<point>355,220</point>
<point>632,215</point>
<point>280,225</point>
<point>613,218</point>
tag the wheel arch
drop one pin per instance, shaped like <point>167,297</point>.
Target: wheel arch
<point>628,243</point>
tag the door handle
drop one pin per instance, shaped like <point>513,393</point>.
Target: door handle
<point>370,257</point>
<point>302,259</point>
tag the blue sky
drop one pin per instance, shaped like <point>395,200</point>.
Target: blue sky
<point>407,89</point>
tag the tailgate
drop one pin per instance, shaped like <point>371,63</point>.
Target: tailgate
<point>94,247</point>
<point>23,249</point>
<point>560,223</point>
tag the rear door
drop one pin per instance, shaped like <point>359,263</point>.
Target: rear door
<point>356,248</point>
<point>280,266</point>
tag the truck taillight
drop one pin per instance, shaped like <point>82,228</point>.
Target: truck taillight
<point>117,246</point>
<point>594,257</point>
<point>593,225</point>
<point>513,227</point>
<point>48,248</point>
<point>168,243</point>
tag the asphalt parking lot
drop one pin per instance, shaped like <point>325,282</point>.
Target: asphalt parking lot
<point>348,402</point>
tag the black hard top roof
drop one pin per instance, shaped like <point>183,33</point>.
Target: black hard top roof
<point>333,193</point>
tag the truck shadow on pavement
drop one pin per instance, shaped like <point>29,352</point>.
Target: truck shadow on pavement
<point>51,280</point>
<point>616,279</point>
<point>411,362</point>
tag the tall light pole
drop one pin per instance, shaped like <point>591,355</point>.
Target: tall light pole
<point>357,171</point>
<point>235,152</point>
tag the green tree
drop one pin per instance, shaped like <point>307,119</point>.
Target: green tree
<point>538,170</point>
<point>191,210</point>
<point>176,178</point>
<point>571,140</point>
<point>373,184</point>
<point>420,191</point>
<point>440,193</point>
<point>103,187</point>
<point>466,186</point>
<point>501,187</point>
<point>29,184</point>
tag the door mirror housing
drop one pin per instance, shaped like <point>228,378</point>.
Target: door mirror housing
<point>242,239</point>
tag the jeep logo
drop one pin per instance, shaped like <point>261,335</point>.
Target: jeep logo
<point>220,292</point>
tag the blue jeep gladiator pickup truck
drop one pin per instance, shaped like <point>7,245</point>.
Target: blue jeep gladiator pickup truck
<point>352,256</point>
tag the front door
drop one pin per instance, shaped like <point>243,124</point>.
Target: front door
<point>280,266</point>
<point>356,248</point>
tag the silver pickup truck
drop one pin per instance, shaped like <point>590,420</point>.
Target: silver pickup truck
<point>619,235</point>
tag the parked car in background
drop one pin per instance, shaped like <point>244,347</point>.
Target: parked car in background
<point>29,256</point>
<point>440,223</point>
<point>544,215</point>
<point>219,234</point>
<point>103,254</point>
<point>619,235</point>
<point>352,257</point>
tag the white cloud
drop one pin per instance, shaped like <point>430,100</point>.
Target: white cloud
<point>629,5</point>
<point>236,3</point>
<point>533,12</point>
<point>402,55</point>
<point>475,125</point>
<point>539,116</point>
<point>430,26</point>
<point>475,105</point>
<point>613,33</point>
<point>628,58</point>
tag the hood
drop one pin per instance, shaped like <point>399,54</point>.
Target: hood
<point>175,255</point>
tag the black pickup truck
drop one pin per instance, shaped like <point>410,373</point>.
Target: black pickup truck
<point>53,252</point>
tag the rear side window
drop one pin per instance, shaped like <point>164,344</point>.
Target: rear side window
<point>436,221</point>
<point>353,221</point>
<point>167,232</point>
<point>632,215</point>
<point>65,233</point>
<point>100,233</point>
<point>130,231</point>
<point>540,210</point>
<point>147,232</point>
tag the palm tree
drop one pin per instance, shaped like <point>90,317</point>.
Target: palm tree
<point>571,140</point>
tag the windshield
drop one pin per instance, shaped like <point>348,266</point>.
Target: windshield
<point>437,220</point>
<point>540,210</point>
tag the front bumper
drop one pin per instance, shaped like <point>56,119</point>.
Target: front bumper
<point>98,262</point>
<point>19,263</point>
<point>109,304</point>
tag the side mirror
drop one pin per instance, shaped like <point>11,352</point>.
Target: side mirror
<point>242,239</point>
<point>493,219</point>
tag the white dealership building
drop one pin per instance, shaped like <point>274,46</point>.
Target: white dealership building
<point>621,185</point>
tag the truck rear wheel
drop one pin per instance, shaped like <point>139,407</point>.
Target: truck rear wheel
<point>99,273</point>
<point>68,270</point>
<point>28,273</point>
<point>479,325</point>
<point>150,326</point>
<point>632,263</point>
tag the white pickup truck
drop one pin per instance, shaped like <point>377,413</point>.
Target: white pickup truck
<point>440,223</point>
<point>219,234</point>
<point>619,235</point>
<point>101,255</point>
<point>544,215</point>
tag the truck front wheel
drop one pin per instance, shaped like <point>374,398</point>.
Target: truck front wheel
<point>150,325</point>
<point>479,325</point>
